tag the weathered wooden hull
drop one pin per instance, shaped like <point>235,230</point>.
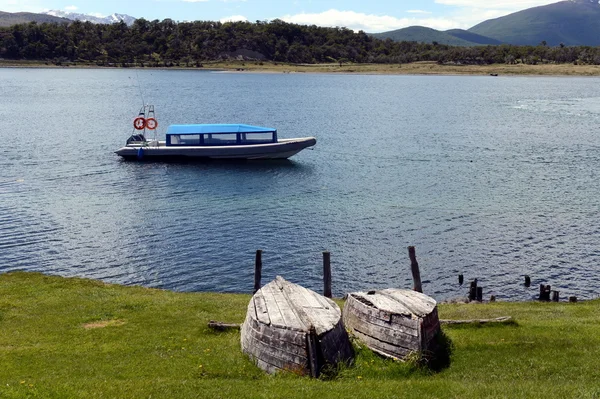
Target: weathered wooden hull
<point>393,322</point>
<point>289,327</point>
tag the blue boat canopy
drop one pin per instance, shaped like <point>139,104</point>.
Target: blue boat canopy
<point>217,128</point>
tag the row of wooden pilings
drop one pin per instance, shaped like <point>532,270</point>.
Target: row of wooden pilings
<point>475,291</point>
<point>414,266</point>
<point>547,294</point>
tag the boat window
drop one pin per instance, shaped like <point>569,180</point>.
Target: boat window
<point>189,139</point>
<point>220,138</point>
<point>257,138</point>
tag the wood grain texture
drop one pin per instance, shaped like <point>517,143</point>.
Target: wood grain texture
<point>289,327</point>
<point>392,322</point>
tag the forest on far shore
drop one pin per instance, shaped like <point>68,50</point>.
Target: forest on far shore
<point>169,43</point>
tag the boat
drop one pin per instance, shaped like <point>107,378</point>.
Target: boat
<point>208,141</point>
<point>289,327</point>
<point>393,322</point>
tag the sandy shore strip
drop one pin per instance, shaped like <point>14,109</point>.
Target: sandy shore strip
<point>416,68</point>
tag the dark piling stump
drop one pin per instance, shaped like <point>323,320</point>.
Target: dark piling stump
<point>473,290</point>
<point>545,293</point>
<point>461,279</point>
<point>327,274</point>
<point>555,296</point>
<point>527,281</point>
<point>479,294</point>
<point>572,299</point>
<point>414,267</point>
<point>257,270</point>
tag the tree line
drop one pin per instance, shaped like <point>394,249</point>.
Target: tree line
<point>160,43</point>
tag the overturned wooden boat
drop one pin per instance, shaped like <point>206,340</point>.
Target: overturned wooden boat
<point>289,327</point>
<point>393,322</point>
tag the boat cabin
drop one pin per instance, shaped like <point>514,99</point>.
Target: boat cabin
<point>219,135</point>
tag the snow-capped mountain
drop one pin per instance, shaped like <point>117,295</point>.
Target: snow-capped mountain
<point>128,19</point>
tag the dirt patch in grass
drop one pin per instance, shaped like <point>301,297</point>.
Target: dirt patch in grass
<point>103,324</point>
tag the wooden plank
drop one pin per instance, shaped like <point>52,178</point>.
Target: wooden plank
<point>311,311</point>
<point>416,303</point>
<point>384,303</point>
<point>376,316</point>
<point>291,336</point>
<point>280,310</point>
<point>503,319</point>
<point>260,307</point>
<point>280,360</point>
<point>367,308</point>
<point>388,334</point>
<point>275,317</point>
<point>420,297</point>
<point>403,329</point>
<point>313,353</point>
<point>328,303</point>
<point>310,300</point>
<point>282,342</point>
<point>274,356</point>
<point>382,347</point>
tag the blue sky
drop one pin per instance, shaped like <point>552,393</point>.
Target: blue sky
<point>370,16</point>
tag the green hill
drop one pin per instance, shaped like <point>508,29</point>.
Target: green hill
<point>422,34</point>
<point>453,37</point>
<point>9,18</point>
<point>472,37</point>
<point>573,23</point>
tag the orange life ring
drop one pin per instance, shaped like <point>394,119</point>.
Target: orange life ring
<point>151,123</point>
<point>139,123</point>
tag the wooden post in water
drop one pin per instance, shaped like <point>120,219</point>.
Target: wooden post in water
<point>327,274</point>
<point>527,281</point>
<point>572,299</point>
<point>414,267</point>
<point>257,270</point>
<point>555,296</point>
<point>461,279</point>
<point>479,294</point>
<point>473,290</point>
<point>545,292</point>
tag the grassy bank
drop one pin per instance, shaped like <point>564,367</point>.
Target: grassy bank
<point>417,68</point>
<point>72,338</point>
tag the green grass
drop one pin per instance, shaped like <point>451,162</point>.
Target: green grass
<point>153,343</point>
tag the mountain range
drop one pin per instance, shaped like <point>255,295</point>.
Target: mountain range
<point>453,37</point>
<point>13,18</point>
<point>568,22</point>
<point>55,16</point>
<point>128,19</point>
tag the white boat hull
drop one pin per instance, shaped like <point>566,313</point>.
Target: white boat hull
<point>156,150</point>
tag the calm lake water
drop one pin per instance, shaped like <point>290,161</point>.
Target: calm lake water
<point>494,178</point>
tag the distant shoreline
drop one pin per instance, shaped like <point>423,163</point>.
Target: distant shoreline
<point>417,68</point>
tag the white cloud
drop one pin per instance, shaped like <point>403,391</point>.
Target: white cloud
<point>70,8</point>
<point>367,22</point>
<point>195,1</point>
<point>511,5</point>
<point>418,12</point>
<point>21,5</point>
<point>234,18</point>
